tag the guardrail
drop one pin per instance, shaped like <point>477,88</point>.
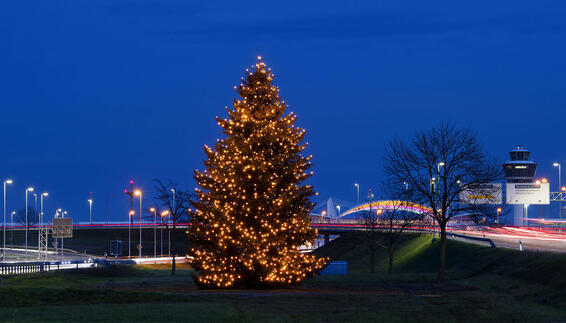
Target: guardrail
<point>475,240</point>
<point>23,268</point>
<point>19,268</point>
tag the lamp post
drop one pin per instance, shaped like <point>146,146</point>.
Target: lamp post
<point>498,212</point>
<point>173,211</point>
<point>358,192</point>
<point>39,229</point>
<point>370,199</point>
<point>138,193</point>
<point>90,209</point>
<point>559,187</point>
<point>152,209</point>
<point>163,214</point>
<point>130,217</point>
<point>432,190</point>
<point>338,207</point>
<point>436,187</point>
<point>29,189</point>
<point>12,229</point>
<point>8,181</point>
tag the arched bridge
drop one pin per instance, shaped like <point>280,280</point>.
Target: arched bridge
<point>389,205</point>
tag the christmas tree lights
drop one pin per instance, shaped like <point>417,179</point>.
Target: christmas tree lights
<point>252,210</point>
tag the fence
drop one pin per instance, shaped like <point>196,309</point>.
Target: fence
<point>475,240</point>
<point>23,268</point>
<point>19,268</point>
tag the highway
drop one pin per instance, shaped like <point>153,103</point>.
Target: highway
<point>529,238</point>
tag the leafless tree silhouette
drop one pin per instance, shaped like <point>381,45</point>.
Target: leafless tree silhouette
<point>176,204</point>
<point>439,164</point>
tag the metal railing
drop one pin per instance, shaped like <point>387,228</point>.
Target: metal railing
<point>20,268</point>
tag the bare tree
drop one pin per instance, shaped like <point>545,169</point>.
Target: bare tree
<point>32,217</point>
<point>175,203</point>
<point>439,164</point>
<point>397,216</point>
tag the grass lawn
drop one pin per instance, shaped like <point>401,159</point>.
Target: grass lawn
<point>483,285</point>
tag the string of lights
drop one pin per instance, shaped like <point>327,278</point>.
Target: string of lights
<point>252,210</point>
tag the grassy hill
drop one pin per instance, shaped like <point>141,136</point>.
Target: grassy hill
<point>418,255</point>
<point>483,284</point>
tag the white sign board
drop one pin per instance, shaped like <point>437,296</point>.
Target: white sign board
<point>528,193</point>
<point>62,228</point>
<point>488,193</point>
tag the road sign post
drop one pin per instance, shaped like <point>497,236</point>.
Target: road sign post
<point>62,228</point>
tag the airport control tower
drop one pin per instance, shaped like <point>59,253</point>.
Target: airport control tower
<point>519,169</point>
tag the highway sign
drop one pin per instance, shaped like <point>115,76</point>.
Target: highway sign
<point>528,193</point>
<point>62,228</point>
<point>487,193</point>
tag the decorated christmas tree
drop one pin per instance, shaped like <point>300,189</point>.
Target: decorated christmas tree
<point>253,207</point>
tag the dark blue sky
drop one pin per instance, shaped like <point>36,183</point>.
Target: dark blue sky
<point>94,93</point>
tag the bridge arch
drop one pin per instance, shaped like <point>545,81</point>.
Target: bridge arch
<point>388,205</point>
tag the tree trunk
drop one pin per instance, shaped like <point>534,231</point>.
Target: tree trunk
<point>391,246</point>
<point>173,251</point>
<point>442,268</point>
<point>372,260</point>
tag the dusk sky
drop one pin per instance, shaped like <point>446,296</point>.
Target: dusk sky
<point>94,93</point>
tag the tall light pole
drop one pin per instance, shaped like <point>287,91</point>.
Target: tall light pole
<point>438,168</point>
<point>358,192</point>
<point>370,199</point>
<point>8,181</point>
<point>12,229</point>
<point>138,193</point>
<point>40,225</point>
<point>152,209</point>
<point>163,214</point>
<point>338,207</point>
<point>130,217</point>
<point>90,209</point>
<point>559,187</point>
<point>29,189</point>
<point>432,191</point>
<point>437,186</point>
<point>498,212</point>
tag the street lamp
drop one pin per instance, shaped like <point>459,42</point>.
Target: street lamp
<point>29,189</point>
<point>138,193</point>
<point>498,212</point>
<point>152,209</point>
<point>438,168</point>
<point>432,191</point>
<point>358,192</point>
<point>40,225</point>
<point>90,209</point>
<point>338,207</point>
<point>130,217</point>
<point>559,185</point>
<point>8,181</point>
<point>164,214</point>
<point>12,229</point>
